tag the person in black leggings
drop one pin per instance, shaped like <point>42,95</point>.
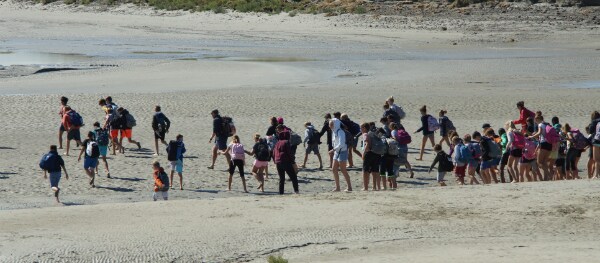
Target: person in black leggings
<point>284,160</point>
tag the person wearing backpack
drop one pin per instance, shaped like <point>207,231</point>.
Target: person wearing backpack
<point>390,113</point>
<point>220,136</point>
<point>594,130</point>
<point>403,138</point>
<point>475,155</point>
<point>461,159</point>
<point>399,110</point>
<point>311,144</point>
<point>527,161</point>
<point>386,169</point>
<point>505,154</point>
<point>371,156</point>
<point>161,182</point>
<point>101,136</point>
<point>262,156</point>
<point>284,160</point>
<point>446,126</point>
<point>340,155</point>
<point>72,122</point>
<point>92,153</point>
<point>52,163</point>
<point>576,144</point>
<point>492,153</point>
<point>160,126</point>
<point>127,122</point>
<point>111,123</point>
<point>428,132</point>
<point>175,151</point>
<point>61,130</point>
<point>354,129</point>
<point>445,164</point>
<point>549,139</point>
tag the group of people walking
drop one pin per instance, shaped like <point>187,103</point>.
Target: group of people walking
<point>538,151</point>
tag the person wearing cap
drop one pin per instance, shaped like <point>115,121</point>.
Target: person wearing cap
<point>221,139</point>
<point>486,126</point>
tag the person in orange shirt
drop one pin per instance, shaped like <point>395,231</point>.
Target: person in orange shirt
<point>161,182</point>
<point>71,127</point>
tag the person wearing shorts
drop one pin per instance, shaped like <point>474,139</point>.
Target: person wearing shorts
<point>371,160</point>
<point>176,164</point>
<point>103,149</point>
<point>89,163</point>
<point>311,144</point>
<point>52,163</point>
<point>126,129</point>
<point>72,130</point>
<point>220,137</point>
<point>340,156</point>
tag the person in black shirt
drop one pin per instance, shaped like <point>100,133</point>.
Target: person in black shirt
<point>327,130</point>
<point>52,163</point>
<point>221,139</point>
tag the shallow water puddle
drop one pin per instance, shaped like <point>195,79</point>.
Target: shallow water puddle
<point>593,84</point>
<point>23,57</point>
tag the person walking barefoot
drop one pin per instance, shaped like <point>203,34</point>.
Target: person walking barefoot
<point>61,113</point>
<point>340,157</point>
<point>428,127</point>
<point>160,125</point>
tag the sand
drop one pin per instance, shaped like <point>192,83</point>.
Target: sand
<point>251,67</point>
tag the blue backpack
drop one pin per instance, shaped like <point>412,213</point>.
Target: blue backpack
<point>76,119</point>
<point>101,137</point>
<point>464,154</point>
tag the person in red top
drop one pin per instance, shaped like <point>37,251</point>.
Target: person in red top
<point>72,130</point>
<point>61,113</point>
<point>161,188</point>
<point>524,113</point>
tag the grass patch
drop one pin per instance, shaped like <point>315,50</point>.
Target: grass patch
<point>277,259</point>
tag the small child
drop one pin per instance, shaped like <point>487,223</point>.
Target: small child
<point>460,162</point>
<point>474,160</point>
<point>238,157</point>
<point>262,156</point>
<point>161,182</point>
<point>175,151</point>
<point>445,164</point>
<point>311,144</point>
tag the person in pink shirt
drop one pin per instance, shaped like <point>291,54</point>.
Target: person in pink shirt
<point>238,158</point>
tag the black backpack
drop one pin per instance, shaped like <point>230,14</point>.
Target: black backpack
<point>227,129</point>
<point>313,136</point>
<point>446,163</point>
<point>164,179</point>
<point>172,150</point>
<point>262,152</point>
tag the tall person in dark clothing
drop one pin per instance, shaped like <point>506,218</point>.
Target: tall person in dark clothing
<point>272,130</point>
<point>220,139</point>
<point>284,160</point>
<point>160,125</point>
<point>327,130</point>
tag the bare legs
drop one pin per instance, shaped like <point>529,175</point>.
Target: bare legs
<point>341,166</point>
<point>423,142</point>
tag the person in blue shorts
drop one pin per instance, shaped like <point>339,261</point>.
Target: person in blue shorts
<point>92,152</point>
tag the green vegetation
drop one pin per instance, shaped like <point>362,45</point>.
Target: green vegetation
<point>276,259</point>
